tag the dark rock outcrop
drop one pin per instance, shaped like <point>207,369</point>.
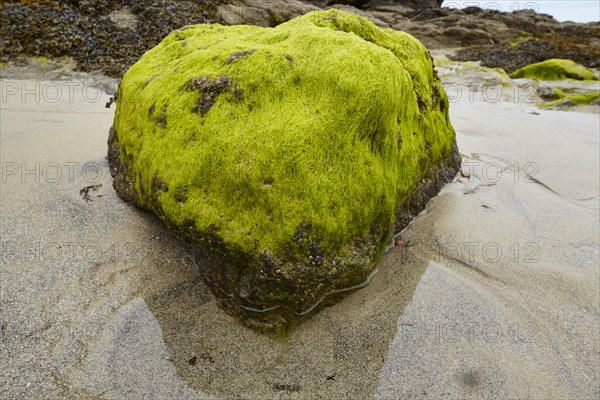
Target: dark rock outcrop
<point>533,48</point>
<point>106,35</point>
<point>110,35</point>
<point>408,4</point>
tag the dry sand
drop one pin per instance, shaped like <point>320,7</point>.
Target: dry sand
<point>494,293</point>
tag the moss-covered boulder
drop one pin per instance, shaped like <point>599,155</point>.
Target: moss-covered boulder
<point>568,100</point>
<point>555,70</point>
<point>288,156</point>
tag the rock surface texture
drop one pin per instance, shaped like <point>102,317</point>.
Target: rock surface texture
<point>287,156</point>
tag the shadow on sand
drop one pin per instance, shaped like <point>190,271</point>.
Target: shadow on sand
<point>336,354</point>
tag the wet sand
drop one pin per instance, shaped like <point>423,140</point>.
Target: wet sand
<point>493,293</point>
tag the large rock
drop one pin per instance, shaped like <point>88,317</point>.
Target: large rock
<point>383,13</point>
<point>412,4</point>
<point>261,12</point>
<point>288,156</point>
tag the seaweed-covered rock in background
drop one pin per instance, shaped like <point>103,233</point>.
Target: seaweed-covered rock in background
<point>532,48</point>
<point>110,35</point>
<point>554,70</point>
<point>288,155</point>
<point>91,32</point>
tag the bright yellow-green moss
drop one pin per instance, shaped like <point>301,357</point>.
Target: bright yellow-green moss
<point>578,98</point>
<point>305,128</point>
<point>40,60</point>
<point>442,62</point>
<point>555,70</point>
<point>584,98</point>
<point>501,72</point>
<point>522,36</point>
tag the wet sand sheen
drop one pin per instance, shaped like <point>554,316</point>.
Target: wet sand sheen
<point>121,311</point>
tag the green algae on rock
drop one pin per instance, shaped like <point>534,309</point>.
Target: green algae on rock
<point>572,99</point>
<point>288,156</point>
<point>555,70</point>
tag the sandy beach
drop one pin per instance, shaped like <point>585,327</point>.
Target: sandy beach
<point>492,293</point>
